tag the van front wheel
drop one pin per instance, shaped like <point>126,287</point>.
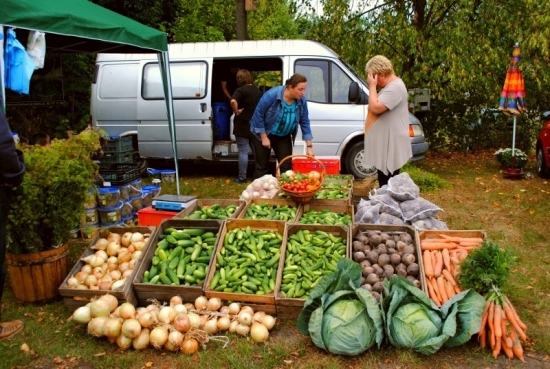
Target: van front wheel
<point>355,162</point>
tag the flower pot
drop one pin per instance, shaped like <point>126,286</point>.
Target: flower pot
<point>513,172</point>
<point>36,277</point>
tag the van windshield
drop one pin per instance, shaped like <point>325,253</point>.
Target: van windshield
<point>359,77</point>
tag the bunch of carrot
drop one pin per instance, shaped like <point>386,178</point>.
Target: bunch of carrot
<point>501,327</point>
<point>441,257</point>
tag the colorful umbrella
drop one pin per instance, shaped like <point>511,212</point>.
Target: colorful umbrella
<point>512,97</point>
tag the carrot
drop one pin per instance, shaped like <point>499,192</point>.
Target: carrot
<point>433,295</point>
<point>441,285</point>
<point>516,316</point>
<point>482,338</point>
<point>438,265</point>
<point>447,275</point>
<point>436,290</point>
<point>469,244</point>
<point>516,345</point>
<point>497,320</point>
<point>462,254</point>
<point>457,289</point>
<point>436,240</point>
<point>449,290</point>
<point>437,246</point>
<point>428,266</point>
<point>497,347</point>
<point>512,319</point>
<point>507,343</point>
<point>490,321</point>
<point>446,259</point>
<point>459,239</point>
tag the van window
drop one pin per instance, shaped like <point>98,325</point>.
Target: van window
<point>119,81</point>
<point>326,81</point>
<point>188,81</point>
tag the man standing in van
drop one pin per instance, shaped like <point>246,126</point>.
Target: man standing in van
<point>387,142</point>
<point>275,124</point>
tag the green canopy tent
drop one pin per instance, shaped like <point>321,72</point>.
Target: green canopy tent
<point>79,26</point>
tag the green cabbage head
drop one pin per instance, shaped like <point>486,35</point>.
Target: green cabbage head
<point>414,324</point>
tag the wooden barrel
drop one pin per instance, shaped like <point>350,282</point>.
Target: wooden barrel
<point>36,277</point>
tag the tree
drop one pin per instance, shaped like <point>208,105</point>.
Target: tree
<point>242,30</point>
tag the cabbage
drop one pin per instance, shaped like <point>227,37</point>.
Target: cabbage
<point>469,309</point>
<point>341,317</point>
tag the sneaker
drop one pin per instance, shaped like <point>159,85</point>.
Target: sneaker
<point>240,180</point>
<point>10,329</point>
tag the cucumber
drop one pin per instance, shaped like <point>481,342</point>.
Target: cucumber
<point>194,231</point>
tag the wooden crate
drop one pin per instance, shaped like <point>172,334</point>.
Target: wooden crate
<point>326,202</point>
<point>197,204</point>
<point>259,302</point>
<point>289,308</point>
<point>74,298</point>
<point>164,293</point>
<point>395,229</point>
<point>272,202</point>
<point>338,208</point>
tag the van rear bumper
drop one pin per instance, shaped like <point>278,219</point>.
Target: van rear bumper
<point>419,150</point>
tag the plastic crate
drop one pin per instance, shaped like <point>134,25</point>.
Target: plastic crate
<point>119,144</point>
<point>304,165</point>
<point>120,174</point>
<point>107,159</point>
<point>152,217</point>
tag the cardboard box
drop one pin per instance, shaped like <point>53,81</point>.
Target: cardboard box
<point>75,298</point>
<point>164,293</point>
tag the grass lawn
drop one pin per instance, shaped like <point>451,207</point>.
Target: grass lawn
<point>512,212</point>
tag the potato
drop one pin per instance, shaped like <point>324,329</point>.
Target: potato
<point>389,271</point>
<point>383,259</point>
<point>376,295</point>
<point>378,270</point>
<point>413,269</point>
<point>384,236</point>
<point>373,278</point>
<point>372,256</point>
<point>359,256</point>
<point>409,249</point>
<point>367,271</point>
<point>366,286</point>
<point>391,250</point>
<point>381,249</point>
<point>408,259</point>
<point>405,237</point>
<point>358,246</point>
<point>400,245</point>
<point>375,240</point>
<point>390,243</point>
<point>378,287</point>
<point>365,263</point>
<point>395,259</point>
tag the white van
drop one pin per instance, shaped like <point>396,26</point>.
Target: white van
<point>127,98</point>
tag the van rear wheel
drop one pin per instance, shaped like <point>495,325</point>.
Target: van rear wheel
<point>355,163</point>
<point>142,164</point>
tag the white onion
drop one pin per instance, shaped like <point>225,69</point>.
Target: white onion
<point>136,237</point>
<point>147,319</point>
<point>127,273</point>
<point>200,303</point>
<point>105,285</point>
<point>152,307</point>
<point>94,287</point>
<point>233,326</point>
<point>194,319</point>
<point>141,342</point>
<point>182,323</point>
<point>82,315</point>
<point>96,326</point>
<point>99,308</point>
<point>81,287</point>
<point>175,339</point>
<point>124,342</point>
<point>113,327</point>
<point>214,304</point>
<point>189,306</point>
<point>258,332</point>
<point>203,319</point>
<point>114,237</point>
<point>115,274</point>
<point>98,272</point>
<point>118,284</point>
<point>223,323</point>
<point>124,256</point>
<point>167,314</point>
<point>258,316</point>
<point>126,310</point>
<point>158,336</point>
<point>81,276</point>
<point>175,300</point>
<point>189,346</point>
<point>131,248</point>
<point>245,318</point>
<point>101,244</point>
<point>131,328</point>
<point>102,254</point>
<point>139,246</point>
<point>247,308</point>
<point>72,282</point>
<point>96,261</point>
<point>135,257</point>
<point>112,248</point>
<point>180,308</point>
<point>242,329</point>
<point>86,268</point>
<point>111,300</point>
<point>126,239</point>
<point>268,321</point>
<point>234,308</point>
<point>224,310</point>
<point>211,326</point>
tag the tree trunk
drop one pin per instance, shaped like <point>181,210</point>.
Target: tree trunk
<point>242,33</point>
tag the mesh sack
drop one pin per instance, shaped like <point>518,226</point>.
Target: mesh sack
<point>370,215</point>
<point>402,187</point>
<point>388,219</point>
<point>418,209</point>
<point>379,191</point>
<point>362,206</point>
<point>430,224</point>
<point>389,204</point>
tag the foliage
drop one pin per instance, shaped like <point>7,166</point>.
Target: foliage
<point>486,268</point>
<point>511,158</point>
<point>50,200</point>
<point>426,181</point>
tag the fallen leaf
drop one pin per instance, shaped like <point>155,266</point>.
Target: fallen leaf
<point>522,190</point>
<point>25,348</point>
<point>73,359</point>
<point>288,361</point>
<point>388,361</point>
<point>531,212</point>
<point>257,356</point>
<point>39,319</point>
<point>295,353</point>
<point>149,364</point>
<point>529,287</point>
<point>57,360</point>
<point>100,354</point>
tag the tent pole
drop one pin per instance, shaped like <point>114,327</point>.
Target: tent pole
<point>514,137</point>
<point>164,63</point>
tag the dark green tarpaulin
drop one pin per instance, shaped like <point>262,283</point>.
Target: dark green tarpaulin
<point>81,26</point>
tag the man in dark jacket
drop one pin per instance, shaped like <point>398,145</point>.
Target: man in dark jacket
<point>12,170</point>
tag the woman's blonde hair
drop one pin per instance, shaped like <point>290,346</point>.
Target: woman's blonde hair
<point>379,64</point>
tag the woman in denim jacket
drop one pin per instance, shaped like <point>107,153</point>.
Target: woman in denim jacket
<point>275,123</point>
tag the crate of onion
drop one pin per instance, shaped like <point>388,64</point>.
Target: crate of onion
<point>107,266</point>
<point>246,261</point>
<point>311,252</point>
<point>384,251</point>
<point>178,260</point>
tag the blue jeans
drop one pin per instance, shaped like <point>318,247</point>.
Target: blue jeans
<point>4,207</point>
<point>243,143</point>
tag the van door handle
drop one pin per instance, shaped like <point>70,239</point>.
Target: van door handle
<point>203,107</point>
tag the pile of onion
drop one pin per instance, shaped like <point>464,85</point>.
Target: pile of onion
<point>112,262</point>
<point>172,327</point>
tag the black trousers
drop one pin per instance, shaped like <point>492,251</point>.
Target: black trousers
<point>383,179</point>
<point>281,145</point>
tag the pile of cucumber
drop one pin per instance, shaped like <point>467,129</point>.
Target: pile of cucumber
<point>271,212</point>
<point>181,257</point>
<point>214,211</point>
<point>325,217</point>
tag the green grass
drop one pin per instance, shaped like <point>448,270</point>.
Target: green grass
<point>475,197</point>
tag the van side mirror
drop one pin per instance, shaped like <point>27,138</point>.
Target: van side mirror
<point>356,95</point>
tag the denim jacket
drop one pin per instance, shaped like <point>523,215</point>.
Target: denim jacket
<point>269,111</point>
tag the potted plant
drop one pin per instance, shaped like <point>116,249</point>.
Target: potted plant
<point>509,158</point>
<point>47,206</point>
